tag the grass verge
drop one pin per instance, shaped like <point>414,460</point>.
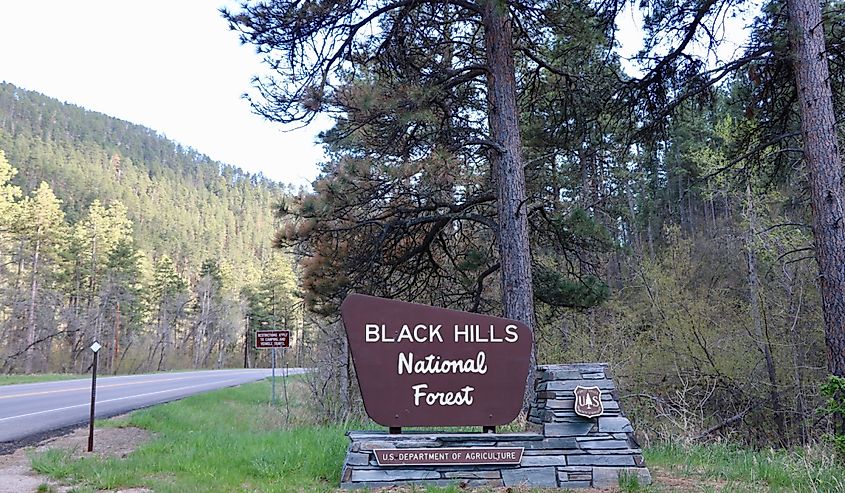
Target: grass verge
<point>232,440</point>
<point>50,377</point>
<point>227,440</point>
<point>731,468</point>
<point>47,377</point>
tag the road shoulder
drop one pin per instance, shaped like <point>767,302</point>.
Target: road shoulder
<point>17,475</point>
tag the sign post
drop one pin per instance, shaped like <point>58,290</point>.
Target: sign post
<point>96,348</point>
<point>272,339</point>
<point>273,396</point>
<point>285,386</point>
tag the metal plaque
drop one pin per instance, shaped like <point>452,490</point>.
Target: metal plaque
<point>269,339</point>
<point>588,402</point>
<point>449,456</point>
<point>419,365</point>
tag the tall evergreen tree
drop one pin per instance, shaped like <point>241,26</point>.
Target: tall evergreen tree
<point>122,300</point>
<point>168,299</point>
<point>449,67</point>
<point>43,229</point>
<point>435,42</point>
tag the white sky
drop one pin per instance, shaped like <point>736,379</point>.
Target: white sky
<point>171,65</point>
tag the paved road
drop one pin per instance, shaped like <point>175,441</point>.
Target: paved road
<point>35,408</point>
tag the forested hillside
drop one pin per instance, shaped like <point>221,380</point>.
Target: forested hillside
<point>110,230</point>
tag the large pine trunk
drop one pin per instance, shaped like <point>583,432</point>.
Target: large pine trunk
<point>508,171</point>
<point>824,164</point>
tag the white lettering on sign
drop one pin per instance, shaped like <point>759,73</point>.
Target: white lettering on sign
<point>460,398</point>
<point>435,364</point>
<point>449,456</point>
<point>408,333</point>
<point>587,400</point>
<point>409,363</point>
<point>431,333</point>
<point>474,333</point>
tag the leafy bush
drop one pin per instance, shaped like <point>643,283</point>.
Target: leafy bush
<point>834,392</point>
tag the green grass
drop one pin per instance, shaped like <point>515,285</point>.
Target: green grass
<point>45,488</point>
<point>738,469</point>
<point>228,440</point>
<point>47,377</point>
<point>232,440</point>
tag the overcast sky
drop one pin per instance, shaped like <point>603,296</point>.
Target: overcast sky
<point>171,65</point>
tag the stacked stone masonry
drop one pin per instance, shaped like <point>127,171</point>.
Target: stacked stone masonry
<point>571,451</point>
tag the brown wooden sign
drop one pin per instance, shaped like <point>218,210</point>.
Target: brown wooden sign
<point>588,402</point>
<point>419,365</point>
<point>449,456</point>
<point>269,339</point>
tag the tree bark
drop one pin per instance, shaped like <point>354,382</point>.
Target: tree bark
<point>824,163</point>
<point>508,171</point>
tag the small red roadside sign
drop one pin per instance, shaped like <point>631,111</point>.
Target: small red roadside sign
<point>269,339</point>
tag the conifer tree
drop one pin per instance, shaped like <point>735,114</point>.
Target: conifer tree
<point>43,228</point>
<point>444,57</point>
<point>168,299</point>
<point>122,300</point>
<point>9,193</point>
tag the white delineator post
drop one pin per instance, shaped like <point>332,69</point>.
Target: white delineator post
<point>96,349</point>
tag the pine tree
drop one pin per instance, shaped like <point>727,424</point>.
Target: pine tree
<point>431,53</point>
<point>168,299</point>
<point>122,300</point>
<point>43,228</point>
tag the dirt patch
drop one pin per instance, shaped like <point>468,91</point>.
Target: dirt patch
<point>668,480</point>
<point>17,476</point>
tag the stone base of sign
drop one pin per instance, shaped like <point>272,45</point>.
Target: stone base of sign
<point>571,451</point>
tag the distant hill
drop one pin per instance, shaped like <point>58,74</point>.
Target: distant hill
<point>181,203</point>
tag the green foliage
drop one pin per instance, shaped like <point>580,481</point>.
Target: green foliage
<point>211,268</point>
<point>108,230</point>
<point>274,300</point>
<point>42,216</point>
<point>557,289</point>
<point>178,202</point>
<point>833,391</point>
<point>166,281</point>
<point>9,193</point>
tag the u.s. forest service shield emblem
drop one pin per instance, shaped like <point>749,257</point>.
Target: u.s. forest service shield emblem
<point>588,402</point>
